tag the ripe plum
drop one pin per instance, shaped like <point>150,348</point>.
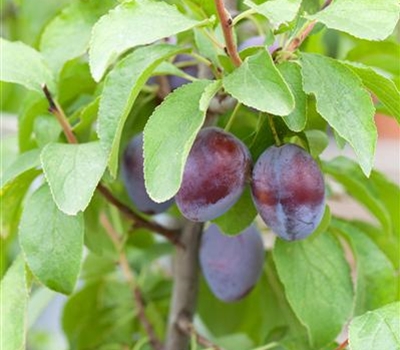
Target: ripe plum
<point>133,178</point>
<point>215,175</point>
<point>288,191</point>
<point>231,265</point>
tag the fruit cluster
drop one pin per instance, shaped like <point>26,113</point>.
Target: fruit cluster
<point>287,187</point>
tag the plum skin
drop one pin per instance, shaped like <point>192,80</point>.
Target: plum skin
<point>231,265</point>
<point>215,174</point>
<point>288,191</point>
<point>133,178</point>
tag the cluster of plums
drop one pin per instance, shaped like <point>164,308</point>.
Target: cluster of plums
<point>287,188</point>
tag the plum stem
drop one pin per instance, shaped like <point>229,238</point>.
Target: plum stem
<point>226,23</point>
<point>273,129</point>
<point>130,279</point>
<point>343,345</point>
<point>188,328</point>
<point>243,15</point>
<point>57,111</point>
<point>232,117</point>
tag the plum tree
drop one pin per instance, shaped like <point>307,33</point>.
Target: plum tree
<point>133,178</point>
<point>231,265</point>
<point>215,175</point>
<point>288,190</point>
<point>258,40</point>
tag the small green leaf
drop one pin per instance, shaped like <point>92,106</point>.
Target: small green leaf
<point>365,19</point>
<point>47,129</point>
<point>344,103</point>
<point>121,88</point>
<point>14,58</point>
<point>376,277</point>
<point>14,289</point>
<point>297,119</point>
<point>52,242</point>
<point>73,172</point>
<point>383,88</point>
<point>239,217</point>
<point>378,329</point>
<point>23,163</point>
<point>317,141</point>
<point>114,33</point>
<point>168,137</point>
<point>277,11</point>
<point>67,35</point>
<point>317,284</point>
<point>360,188</point>
<point>258,84</point>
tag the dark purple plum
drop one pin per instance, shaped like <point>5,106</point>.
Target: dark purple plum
<point>175,81</point>
<point>215,174</point>
<point>133,178</point>
<point>288,191</point>
<point>258,41</point>
<point>231,265</point>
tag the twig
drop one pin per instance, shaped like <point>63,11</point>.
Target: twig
<point>171,235</point>
<point>226,23</point>
<point>343,345</point>
<point>294,44</point>
<point>184,293</point>
<point>273,130</point>
<point>188,328</point>
<point>130,278</point>
<point>55,109</point>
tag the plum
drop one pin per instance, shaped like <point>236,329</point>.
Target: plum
<point>288,191</point>
<point>231,265</point>
<point>258,41</point>
<point>133,178</point>
<point>215,174</point>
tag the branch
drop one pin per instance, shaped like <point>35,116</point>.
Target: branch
<point>226,23</point>
<point>130,278</point>
<point>187,327</point>
<point>171,235</point>
<point>55,109</point>
<point>343,345</point>
<point>184,293</point>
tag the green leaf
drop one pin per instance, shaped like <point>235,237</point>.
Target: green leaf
<point>67,36</point>
<point>378,329</point>
<point>317,284</point>
<point>383,88</point>
<point>258,84</point>
<point>52,242</point>
<point>277,11</point>
<point>380,54</point>
<point>318,141</point>
<point>239,217</point>
<point>297,119</point>
<point>376,277</point>
<point>362,189</point>
<point>23,163</point>
<point>121,88</point>
<point>365,19</point>
<point>14,58</point>
<point>73,172</point>
<point>14,287</point>
<point>168,137</point>
<point>101,313</point>
<point>47,129</point>
<point>114,33</point>
<point>344,103</point>
<point>15,183</point>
